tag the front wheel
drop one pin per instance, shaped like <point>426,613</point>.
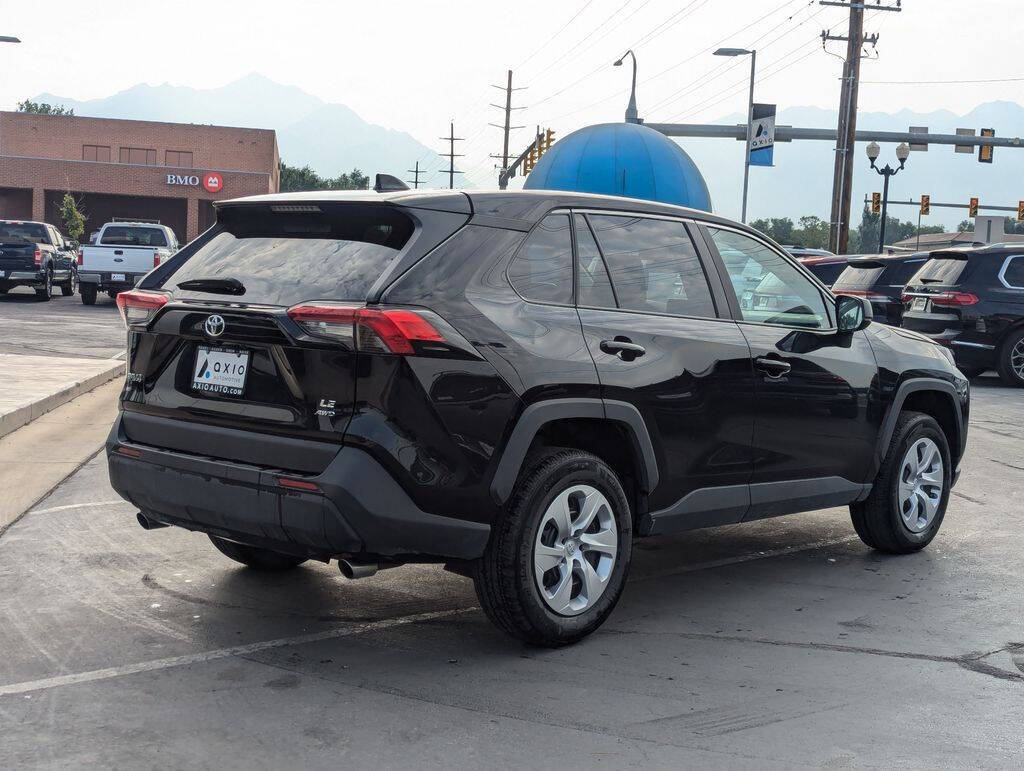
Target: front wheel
<point>255,557</point>
<point>908,501</point>
<point>557,562</point>
<point>67,288</point>
<point>1011,359</point>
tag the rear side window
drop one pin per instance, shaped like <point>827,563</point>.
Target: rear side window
<point>653,265</point>
<point>542,269</point>
<point>946,271</point>
<point>1013,274</point>
<point>336,253</point>
<point>132,235</point>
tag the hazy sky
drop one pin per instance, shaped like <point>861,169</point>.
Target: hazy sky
<point>414,65</point>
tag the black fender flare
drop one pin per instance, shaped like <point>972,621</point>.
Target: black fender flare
<point>536,415</point>
<point>906,388</point>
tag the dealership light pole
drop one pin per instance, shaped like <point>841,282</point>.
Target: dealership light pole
<point>902,153</point>
<point>750,116</point>
<point>631,113</point>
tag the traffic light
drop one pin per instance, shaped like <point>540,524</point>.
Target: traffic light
<point>972,209</point>
<point>876,203</point>
<point>985,151</point>
<point>926,204</point>
<point>531,158</point>
<point>1020,211</point>
<point>549,139</point>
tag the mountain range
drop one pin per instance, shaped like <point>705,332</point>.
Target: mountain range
<point>332,138</point>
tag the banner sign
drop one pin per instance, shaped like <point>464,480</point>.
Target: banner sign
<point>762,135</point>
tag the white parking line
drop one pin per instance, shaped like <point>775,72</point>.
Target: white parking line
<point>77,506</point>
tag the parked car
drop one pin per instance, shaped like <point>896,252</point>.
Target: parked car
<point>35,254</point>
<point>514,385</point>
<point>122,253</point>
<point>973,301</point>
<point>821,262</point>
<point>880,280</point>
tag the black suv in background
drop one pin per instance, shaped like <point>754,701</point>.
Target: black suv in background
<point>515,385</point>
<point>821,262</point>
<point>35,254</point>
<point>973,301</point>
<point>880,280</point>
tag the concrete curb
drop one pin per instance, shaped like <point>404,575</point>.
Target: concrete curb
<point>26,413</point>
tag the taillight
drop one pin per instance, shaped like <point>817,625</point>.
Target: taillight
<point>378,330</point>
<point>81,255</point>
<point>38,256</point>
<point>138,307</point>
<point>954,299</point>
<point>156,259</point>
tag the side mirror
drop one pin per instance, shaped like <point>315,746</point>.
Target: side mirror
<point>853,313</point>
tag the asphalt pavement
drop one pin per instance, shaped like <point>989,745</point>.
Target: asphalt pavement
<point>775,644</point>
<point>61,326</point>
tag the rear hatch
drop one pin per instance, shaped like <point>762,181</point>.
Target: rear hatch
<point>934,301</point>
<point>880,280</point>
<point>245,345</point>
<point>18,246</point>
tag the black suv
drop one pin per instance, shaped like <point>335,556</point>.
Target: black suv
<point>973,301</point>
<point>880,280</point>
<point>35,254</point>
<point>514,385</point>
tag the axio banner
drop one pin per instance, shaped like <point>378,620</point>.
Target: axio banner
<point>762,135</point>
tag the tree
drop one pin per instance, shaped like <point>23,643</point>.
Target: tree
<point>779,229</point>
<point>74,220</point>
<point>294,179</point>
<point>965,226</point>
<point>42,108</point>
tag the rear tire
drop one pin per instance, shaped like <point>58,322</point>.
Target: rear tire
<point>906,506</point>
<point>551,580</point>
<point>1011,359</point>
<point>45,292</point>
<point>88,292</point>
<point>255,557</point>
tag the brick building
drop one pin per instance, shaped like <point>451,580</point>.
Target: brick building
<point>130,169</point>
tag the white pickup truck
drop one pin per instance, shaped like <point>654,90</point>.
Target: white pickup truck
<point>121,254</point>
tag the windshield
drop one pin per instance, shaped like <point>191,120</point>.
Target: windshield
<point>23,231</point>
<point>284,259</point>
<point>133,235</point>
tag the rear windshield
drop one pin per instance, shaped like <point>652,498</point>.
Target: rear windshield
<point>283,258</point>
<point>133,235</point>
<point>859,278</point>
<point>24,231</point>
<point>940,270</point>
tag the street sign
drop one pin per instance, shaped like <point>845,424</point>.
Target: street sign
<point>919,147</point>
<point>762,135</point>
<point>876,203</point>
<point>972,208</point>
<point>964,148</point>
<point>926,204</point>
<point>985,151</point>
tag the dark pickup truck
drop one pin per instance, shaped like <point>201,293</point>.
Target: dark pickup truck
<point>35,254</point>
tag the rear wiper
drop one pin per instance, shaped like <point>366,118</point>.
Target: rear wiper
<point>213,285</point>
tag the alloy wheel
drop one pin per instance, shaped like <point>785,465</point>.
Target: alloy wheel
<point>920,485</point>
<point>1017,359</point>
<point>575,550</point>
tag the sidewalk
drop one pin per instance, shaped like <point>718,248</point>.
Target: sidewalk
<point>31,386</point>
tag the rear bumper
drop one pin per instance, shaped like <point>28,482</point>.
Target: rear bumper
<point>102,280</point>
<point>357,510</point>
<point>24,277</point>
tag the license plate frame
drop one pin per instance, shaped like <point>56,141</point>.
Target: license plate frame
<point>117,276</point>
<point>919,304</point>
<point>220,371</point>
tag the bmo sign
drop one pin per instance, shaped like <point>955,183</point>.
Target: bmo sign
<point>211,181</point>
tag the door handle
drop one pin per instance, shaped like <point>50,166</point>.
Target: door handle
<point>623,347</point>
<point>773,367</point>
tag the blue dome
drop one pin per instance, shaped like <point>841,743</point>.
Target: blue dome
<point>625,159</point>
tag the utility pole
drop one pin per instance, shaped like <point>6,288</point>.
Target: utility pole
<point>451,155</point>
<point>842,174</point>
<point>415,176</point>
<point>507,128</point>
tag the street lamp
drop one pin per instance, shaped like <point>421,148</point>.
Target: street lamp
<point>902,153</point>
<point>750,116</point>
<point>631,114</point>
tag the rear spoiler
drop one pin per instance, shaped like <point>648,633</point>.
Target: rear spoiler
<point>949,254</point>
<point>867,262</point>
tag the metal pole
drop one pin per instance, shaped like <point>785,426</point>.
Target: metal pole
<point>885,202</point>
<point>746,152</point>
<point>919,229</point>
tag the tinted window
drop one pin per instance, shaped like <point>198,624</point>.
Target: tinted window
<point>770,289</point>
<point>1014,273</point>
<point>942,270</point>
<point>133,235</point>
<point>542,270</point>
<point>857,278</point>
<point>595,288</point>
<point>653,265</point>
<point>284,259</point>
<point>23,231</point>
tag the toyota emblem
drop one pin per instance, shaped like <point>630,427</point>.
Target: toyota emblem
<point>214,325</point>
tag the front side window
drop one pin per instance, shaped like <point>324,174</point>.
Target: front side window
<point>769,288</point>
<point>542,269</point>
<point>653,265</point>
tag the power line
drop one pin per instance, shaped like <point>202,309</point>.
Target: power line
<point>561,29</point>
<point>939,82</point>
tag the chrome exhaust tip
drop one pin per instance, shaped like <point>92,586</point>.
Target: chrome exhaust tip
<point>354,570</point>
<point>149,524</point>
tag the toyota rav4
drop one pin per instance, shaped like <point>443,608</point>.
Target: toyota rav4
<point>515,385</point>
